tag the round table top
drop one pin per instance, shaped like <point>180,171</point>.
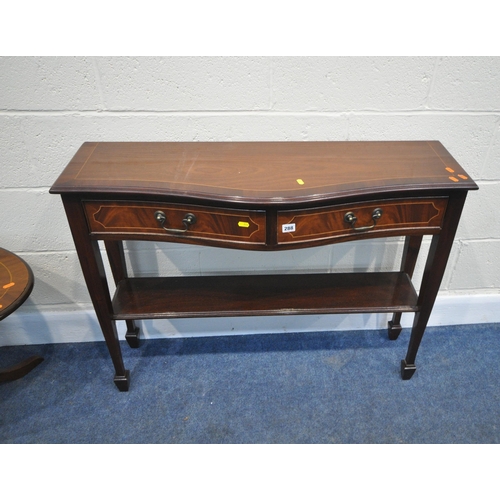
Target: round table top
<point>16,282</point>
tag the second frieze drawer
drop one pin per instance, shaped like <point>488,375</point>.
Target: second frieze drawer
<point>354,220</point>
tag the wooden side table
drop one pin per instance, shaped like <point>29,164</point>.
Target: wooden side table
<point>262,196</point>
<point>16,283</point>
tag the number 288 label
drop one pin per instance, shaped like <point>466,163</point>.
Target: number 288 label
<point>288,228</point>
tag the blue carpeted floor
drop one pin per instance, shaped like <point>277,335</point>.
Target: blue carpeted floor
<point>340,387</point>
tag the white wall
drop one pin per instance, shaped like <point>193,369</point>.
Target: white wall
<point>50,105</point>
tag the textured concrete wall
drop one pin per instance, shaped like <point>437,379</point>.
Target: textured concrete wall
<point>50,105</point>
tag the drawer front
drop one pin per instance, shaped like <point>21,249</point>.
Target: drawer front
<point>348,221</point>
<point>173,222</point>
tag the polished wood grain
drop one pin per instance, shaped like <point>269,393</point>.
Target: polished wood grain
<point>262,172</point>
<point>244,227</point>
<point>263,295</point>
<point>16,284</point>
<point>328,224</point>
<point>247,228</point>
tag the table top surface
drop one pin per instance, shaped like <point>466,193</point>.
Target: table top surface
<point>16,282</point>
<point>262,172</point>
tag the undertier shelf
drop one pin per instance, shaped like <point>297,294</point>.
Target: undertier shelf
<point>259,295</point>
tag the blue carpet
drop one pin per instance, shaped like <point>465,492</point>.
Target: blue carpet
<point>340,387</point>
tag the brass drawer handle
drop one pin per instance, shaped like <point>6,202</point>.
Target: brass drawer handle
<point>189,220</point>
<point>351,219</point>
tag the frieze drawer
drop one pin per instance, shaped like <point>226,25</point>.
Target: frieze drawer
<point>356,220</point>
<point>174,222</point>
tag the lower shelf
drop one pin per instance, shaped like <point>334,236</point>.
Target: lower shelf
<point>263,295</point>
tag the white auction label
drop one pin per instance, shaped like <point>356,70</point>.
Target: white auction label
<point>288,228</point>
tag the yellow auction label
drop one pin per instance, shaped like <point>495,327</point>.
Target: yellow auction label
<point>243,224</point>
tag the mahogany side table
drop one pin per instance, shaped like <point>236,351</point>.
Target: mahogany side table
<point>263,196</point>
<point>16,283</point>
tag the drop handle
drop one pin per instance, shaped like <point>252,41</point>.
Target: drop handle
<point>351,219</point>
<point>188,220</point>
